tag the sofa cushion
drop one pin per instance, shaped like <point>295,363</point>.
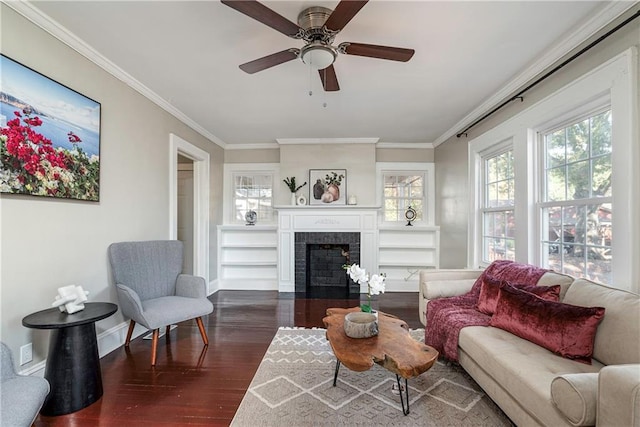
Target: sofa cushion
<point>565,329</point>
<point>488,298</point>
<point>617,338</point>
<point>523,369</point>
<point>576,396</point>
<point>552,278</point>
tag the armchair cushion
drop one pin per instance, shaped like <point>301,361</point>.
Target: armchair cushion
<point>164,311</point>
<point>576,397</point>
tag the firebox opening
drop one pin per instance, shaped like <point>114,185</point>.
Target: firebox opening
<point>319,261</point>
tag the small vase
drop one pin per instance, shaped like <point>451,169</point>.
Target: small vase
<point>334,190</point>
<point>293,199</point>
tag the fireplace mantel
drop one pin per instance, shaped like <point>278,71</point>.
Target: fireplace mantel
<point>351,218</point>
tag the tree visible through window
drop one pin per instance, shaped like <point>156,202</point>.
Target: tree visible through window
<point>402,191</point>
<point>498,222</point>
<point>576,208</point>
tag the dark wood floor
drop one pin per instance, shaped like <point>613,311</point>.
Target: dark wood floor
<point>192,385</point>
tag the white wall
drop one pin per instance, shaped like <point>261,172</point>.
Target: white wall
<point>358,159</point>
<point>48,243</point>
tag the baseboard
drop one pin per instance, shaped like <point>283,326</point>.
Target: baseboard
<point>248,284</point>
<point>108,341</point>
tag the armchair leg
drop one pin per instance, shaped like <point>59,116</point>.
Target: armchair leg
<point>203,332</point>
<point>167,331</point>
<point>132,324</point>
<point>154,346</point>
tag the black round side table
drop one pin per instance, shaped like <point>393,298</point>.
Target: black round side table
<point>73,363</point>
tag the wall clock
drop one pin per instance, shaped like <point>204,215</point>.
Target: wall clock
<point>410,215</point>
<point>251,217</point>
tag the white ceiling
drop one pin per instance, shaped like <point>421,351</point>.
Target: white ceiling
<point>187,54</point>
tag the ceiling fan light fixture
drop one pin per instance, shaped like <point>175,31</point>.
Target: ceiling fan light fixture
<point>318,56</point>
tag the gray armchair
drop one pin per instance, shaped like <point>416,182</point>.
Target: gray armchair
<point>153,292</point>
<point>21,397</point>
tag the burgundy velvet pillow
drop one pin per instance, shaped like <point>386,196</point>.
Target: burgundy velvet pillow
<point>488,298</point>
<point>567,330</point>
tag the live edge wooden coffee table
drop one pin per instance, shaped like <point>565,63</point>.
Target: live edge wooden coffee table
<point>393,348</point>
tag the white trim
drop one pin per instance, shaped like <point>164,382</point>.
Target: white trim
<point>428,168</point>
<point>608,13</point>
<point>410,145</point>
<point>201,167</point>
<point>304,141</point>
<point>39,18</point>
<point>256,146</point>
<point>616,77</point>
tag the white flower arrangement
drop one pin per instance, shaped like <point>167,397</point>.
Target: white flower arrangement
<point>375,283</point>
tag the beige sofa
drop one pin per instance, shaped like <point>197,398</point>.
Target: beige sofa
<point>532,385</point>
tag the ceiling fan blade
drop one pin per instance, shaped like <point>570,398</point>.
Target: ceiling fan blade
<point>343,13</point>
<point>329,79</point>
<point>269,61</point>
<point>262,13</point>
<point>375,51</point>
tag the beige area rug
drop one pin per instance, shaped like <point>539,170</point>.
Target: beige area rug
<point>294,387</point>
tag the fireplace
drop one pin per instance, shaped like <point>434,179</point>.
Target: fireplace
<point>319,258</point>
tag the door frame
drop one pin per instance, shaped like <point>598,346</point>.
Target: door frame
<point>201,165</point>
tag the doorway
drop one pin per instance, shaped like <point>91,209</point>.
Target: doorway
<point>189,203</point>
<point>185,211</point>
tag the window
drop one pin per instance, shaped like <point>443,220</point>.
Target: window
<point>497,209</point>
<point>400,192</point>
<point>401,185</point>
<point>253,191</point>
<point>576,208</point>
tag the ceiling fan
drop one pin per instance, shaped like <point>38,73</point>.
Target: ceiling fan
<point>318,27</point>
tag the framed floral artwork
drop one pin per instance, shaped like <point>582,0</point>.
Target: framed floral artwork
<point>49,136</point>
<point>327,186</point>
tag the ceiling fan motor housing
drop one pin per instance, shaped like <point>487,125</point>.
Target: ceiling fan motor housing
<point>312,20</point>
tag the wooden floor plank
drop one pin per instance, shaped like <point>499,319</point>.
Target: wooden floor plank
<point>189,386</point>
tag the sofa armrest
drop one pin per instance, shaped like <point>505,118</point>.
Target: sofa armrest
<point>619,396</point>
<point>191,286</point>
<point>435,284</point>
<point>576,397</point>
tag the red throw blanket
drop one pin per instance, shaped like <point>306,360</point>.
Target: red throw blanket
<point>447,316</point>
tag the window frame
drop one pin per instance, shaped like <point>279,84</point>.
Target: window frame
<point>426,169</point>
<point>231,170</point>
<point>490,153</point>
<point>587,111</point>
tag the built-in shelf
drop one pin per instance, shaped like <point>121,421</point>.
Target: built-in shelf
<point>405,250</point>
<point>261,256</point>
<point>247,256</point>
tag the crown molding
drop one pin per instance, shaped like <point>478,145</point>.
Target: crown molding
<point>256,146</point>
<point>306,141</point>
<point>37,17</point>
<point>591,26</point>
<point>410,145</point>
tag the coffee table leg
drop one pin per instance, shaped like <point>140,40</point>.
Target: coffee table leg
<point>406,394</point>
<point>335,376</point>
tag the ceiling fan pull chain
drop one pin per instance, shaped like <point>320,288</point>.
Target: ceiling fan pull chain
<point>310,81</point>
